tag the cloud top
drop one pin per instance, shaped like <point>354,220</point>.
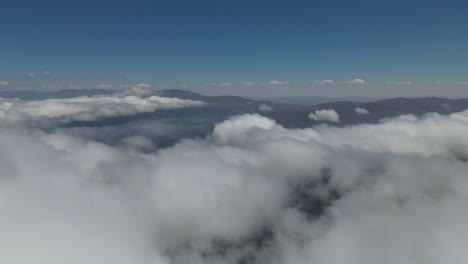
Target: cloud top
<point>252,191</point>
<point>361,111</point>
<point>327,115</point>
<point>84,108</point>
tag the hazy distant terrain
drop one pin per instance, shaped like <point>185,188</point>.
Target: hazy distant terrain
<point>199,122</point>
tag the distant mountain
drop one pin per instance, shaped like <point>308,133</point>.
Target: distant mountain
<point>193,122</point>
<point>43,95</point>
<point>219,108</point>
<point>292,115</point>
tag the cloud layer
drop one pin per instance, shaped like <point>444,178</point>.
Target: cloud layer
<point>60,111</point>
<point>252,191</point>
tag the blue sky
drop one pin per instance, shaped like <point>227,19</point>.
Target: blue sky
<point>398,48</point>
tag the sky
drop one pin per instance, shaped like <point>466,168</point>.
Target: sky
<point>254,48</point>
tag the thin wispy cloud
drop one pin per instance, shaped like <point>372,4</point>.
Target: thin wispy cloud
<point>104,86</point>
<point>357,81</point>
<point>361,111</point>
<point>223,84</point>
<point>404,83</point>
<point>324,82</point>
<point>276,82</point>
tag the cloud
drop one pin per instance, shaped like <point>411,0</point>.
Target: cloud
<point>3,83</point>
<point>404,83</point>
<point>361,111</point>
<point>46,73</point>
<point>264,108</point>
<point>276,82</point>
<point>224,84</point>
<point>251,191</point>
<point>357,81</point>
<point>328,115</point>
<point>104,86</point>
<point>139,89</point>
<point>142,85</point>
<point>62,111</point>
<point>248,83</point>
<point>324,82</point>
<point>31,74</point>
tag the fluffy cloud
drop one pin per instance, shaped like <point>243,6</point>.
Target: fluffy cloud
<point>60,111</point>
<point>3,83</point>
<point>324,81</point>
<point>357,81</point>
<point>328,115</point>
<point>248,83</point>
<point>361,111</point>
<point>250,192</point>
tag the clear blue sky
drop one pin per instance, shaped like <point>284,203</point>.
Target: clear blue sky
<point>202,44</point>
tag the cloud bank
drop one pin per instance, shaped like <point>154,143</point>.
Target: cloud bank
<point>250,192</point>
<point>61,111</point>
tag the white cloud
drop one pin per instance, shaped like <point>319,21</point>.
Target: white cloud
<point>276,82</point>
<point>139,89</point>
<point>324,81</point>
<point>143,85</point>
<point>264,108</point>
<point>393,192</point>
<point>104,86</point>
<point>357,81</point>
<point>46,73</point>
<point>3,83</point>
<point>60,111</point>
<point>31,74</point>
<point>328,115</point>
<point>248,83</point>
<point>404,83</point>
<point>361,111</point>
<point>224,84</point>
